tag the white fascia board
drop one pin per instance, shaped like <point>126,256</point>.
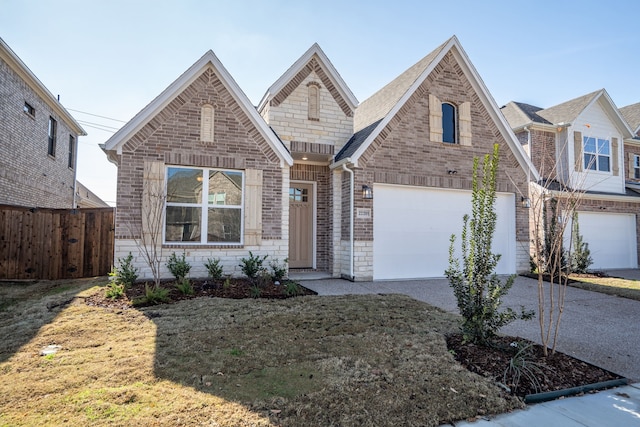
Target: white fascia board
<point>345,161</point>
<point>20,68</point>
<point>333,75</point>
<point>209,59</point>
<point>613,111</point>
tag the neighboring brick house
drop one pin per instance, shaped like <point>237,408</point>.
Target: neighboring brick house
<point>38,140</point>
<point>581,145</point>
<point>291,179</point>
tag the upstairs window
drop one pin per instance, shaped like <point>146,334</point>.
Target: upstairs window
<point>72,152</point>
<point>53,130</point>
<point>314,101</point>
<point>204,206</point>
<point>597,154</point>
<point>449,123</point>
<point>636,166</point>
<point>29,109</point>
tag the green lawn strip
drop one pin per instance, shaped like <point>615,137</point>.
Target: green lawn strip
<point>608,285</point>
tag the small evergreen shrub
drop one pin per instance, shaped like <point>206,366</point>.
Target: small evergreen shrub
<point>252,266</point>
<point>291,288</point>
<point>581,256</point>
<point>278,270</point>
<point>125,273</point>
<point>155,294</point>
<point>255,291</point>
<point>214,268</point>
<point>185,287</point>
<point>114,290</point>
<point>179,267</point>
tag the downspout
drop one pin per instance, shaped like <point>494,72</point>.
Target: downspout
<point>344,168</point>
<point>526,129</point>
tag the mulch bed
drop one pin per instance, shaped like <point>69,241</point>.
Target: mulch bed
<point>552,373</point>
<point>237,288</point>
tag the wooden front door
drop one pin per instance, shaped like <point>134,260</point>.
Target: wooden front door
<point>301,225</point>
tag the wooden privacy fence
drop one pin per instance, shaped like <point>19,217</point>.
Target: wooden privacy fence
<point>38,243</point>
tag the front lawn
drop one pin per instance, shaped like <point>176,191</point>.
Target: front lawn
<point>306,361</point>
<point>607,285</point>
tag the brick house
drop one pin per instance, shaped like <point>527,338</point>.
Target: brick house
<point>362,191</point>
<point>38,140</point>
<point>585,144</point>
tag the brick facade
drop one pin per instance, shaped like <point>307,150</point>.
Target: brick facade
<point>173,138</point>
<point>403,154</point>
<point>29,176</point>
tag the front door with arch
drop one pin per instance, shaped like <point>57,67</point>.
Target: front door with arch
<point>301,225</point>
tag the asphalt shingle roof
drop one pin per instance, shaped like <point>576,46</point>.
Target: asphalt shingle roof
<point>568,111</point>
<point>519,114</point>
<point>355,141</point>
<point>378,105</point>
<point>631,114</point>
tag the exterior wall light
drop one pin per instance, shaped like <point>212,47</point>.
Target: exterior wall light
<point>367,192</point>
<point>526,202</point>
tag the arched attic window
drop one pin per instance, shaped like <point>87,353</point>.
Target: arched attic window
<point>314,101</point>
<point>449,124</point>
<point>206,123</point>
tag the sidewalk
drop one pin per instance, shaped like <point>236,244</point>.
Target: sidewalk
<point>600,329</point>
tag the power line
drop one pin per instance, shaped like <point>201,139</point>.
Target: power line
<point>98,127</point>
<point>96,115</point>
<point>98,124</point>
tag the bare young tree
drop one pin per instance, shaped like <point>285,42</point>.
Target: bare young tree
<point>554,203</point>
<point>147,233</point>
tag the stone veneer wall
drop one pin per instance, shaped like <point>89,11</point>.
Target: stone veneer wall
<point>173,137</point>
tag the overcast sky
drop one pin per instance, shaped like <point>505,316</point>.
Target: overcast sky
<point>110,58</point>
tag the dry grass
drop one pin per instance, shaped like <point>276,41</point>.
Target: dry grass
<point>608,285</point>
<point>348,361</point>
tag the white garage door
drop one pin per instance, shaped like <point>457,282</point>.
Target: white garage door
<point>412,227</point>
<point>611,239</point>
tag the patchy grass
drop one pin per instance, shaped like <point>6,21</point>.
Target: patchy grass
<point>347,360</point>
<point>607,285</point>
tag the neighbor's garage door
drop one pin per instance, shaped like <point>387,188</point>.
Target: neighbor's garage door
<point>611,239</point>
<point>412,226</point>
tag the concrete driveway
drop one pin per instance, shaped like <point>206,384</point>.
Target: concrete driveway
<point>601,329</point>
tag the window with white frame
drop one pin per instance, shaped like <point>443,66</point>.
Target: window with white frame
<point>204,206</point>
<point>636,166</point>
<point>597,154</point>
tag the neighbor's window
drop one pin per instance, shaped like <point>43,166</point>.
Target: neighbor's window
<point>597,154</point>
<point>448,123</point>
<point>204,206</point>
<point>636,166</point>
<point>72,151</point>
<point>29,109</point>
<point>53,129</point>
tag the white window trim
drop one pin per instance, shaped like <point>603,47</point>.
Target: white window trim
<point>204,206</point>
<point>597,155</point>
<point>636,166</point>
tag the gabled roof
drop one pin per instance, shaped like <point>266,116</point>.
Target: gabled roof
<point>373,115</point>
<point>631,114</point>
<point>208,60</point>
<point>380,103</point>
<point>20,68</point>
<point>519,114</point>
<point>568,111</point>
<point>314,52</point>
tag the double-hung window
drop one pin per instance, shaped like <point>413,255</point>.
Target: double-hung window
<point>204,206</point>
<point>52,131</point>
<point>636,166</point>
<point>597,154</point>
